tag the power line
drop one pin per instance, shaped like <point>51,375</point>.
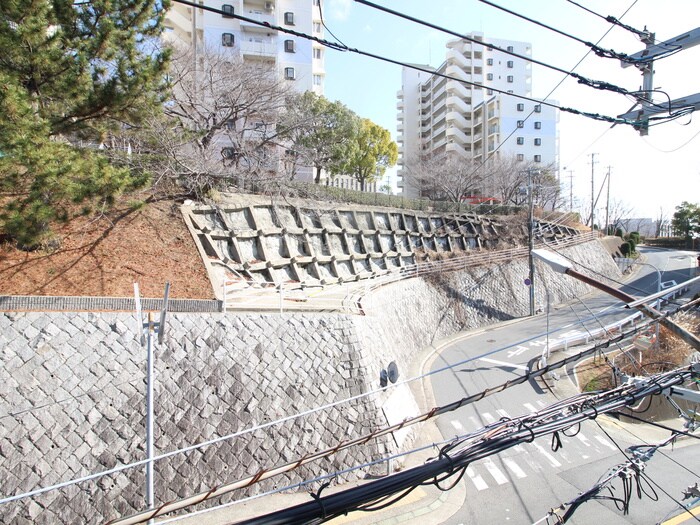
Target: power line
<point>642,34</point>
<point>597,84</point>
<point>601,52</point>
<point>220,490</point>
<point>455,458</point>
<point>340,47</point>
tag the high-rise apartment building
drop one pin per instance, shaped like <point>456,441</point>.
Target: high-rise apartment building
<point>298,60</point>
<point>438,114</point>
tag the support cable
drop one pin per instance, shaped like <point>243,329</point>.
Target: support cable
<point>601,52</point>
<point>341,47</point>
<point>597,84</point>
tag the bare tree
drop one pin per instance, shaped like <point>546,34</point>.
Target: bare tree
<point>445,176</point>
<point>219,126</point>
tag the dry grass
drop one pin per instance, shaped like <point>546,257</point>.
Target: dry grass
<point>673,352</point>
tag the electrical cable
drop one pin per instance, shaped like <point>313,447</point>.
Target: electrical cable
<point>434,412</point>
<point>642,34</point>
<point>597,84</point>
<point>659,425</point>
<point>671,439</point>
<point>340,47</point>
<point>601,52</point>
<point>490,440</point>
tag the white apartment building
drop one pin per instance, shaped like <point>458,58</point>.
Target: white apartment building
<point>298,60</point>
<point>437,114</point>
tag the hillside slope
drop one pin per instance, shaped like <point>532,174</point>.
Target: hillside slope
<point>104,255</point>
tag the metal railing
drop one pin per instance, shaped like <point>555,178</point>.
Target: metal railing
<point>349,296</point>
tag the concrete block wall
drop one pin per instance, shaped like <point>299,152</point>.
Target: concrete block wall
<point>72,388</point>
<point>287,243</point>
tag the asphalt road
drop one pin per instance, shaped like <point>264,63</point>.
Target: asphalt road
<point>522,484</point>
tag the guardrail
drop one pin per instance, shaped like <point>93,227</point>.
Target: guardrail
<point>602,332</point>
<point>348,296</point>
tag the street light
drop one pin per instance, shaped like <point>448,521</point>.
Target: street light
<point>561,265</point>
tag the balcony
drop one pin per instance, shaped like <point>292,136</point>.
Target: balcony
<point>259,16</point>
<point>251,46</point>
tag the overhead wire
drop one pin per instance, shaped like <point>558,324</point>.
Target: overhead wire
<point>343,445</point>
<point>340,47</point>
<point>601,52</point>
<point>642,34</point>
<point>597,84</point>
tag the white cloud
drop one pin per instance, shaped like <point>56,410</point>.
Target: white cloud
<point>339,9</point>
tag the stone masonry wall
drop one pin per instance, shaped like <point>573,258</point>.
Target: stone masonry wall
<point>72,390</point>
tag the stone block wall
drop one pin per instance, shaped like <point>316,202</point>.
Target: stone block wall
<point>72,390</point>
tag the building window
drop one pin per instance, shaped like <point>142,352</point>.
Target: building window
<point>317,53</point>
<point>289,46</point>
<point>520,141</point>
<point>510,49</point>
<point>489,61</point>
<point>289,73</point>
<point>317,80</point>
<point>521,107</point>
<point>538,125</point>
<point>489,91</point>
<point>521,157</point>
<point>227,11</point>
<point>538,142</point>
<point>510,79</point>
<point>538,158</point>
<point>317,27</point>
<point>510,64</point>
<point>289,18</point>
<point>317,2</point>
<point>489,76</point>
<point>538,108</point>
<point>227,39</point>
<point>521,123</point>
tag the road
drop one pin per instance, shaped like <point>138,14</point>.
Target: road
<point>520,485</point>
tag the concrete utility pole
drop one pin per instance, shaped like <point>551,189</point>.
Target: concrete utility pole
<point>531,239</point>
<point>645,63</point>
<point>571,190</point>
<point>607,207</point>
<point>593,163</point>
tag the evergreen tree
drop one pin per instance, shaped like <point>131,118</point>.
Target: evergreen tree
<point>70,71</point>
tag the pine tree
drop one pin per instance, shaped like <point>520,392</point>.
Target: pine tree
<point>70,71</point>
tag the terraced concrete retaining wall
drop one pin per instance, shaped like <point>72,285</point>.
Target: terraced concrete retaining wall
<point>286,243</point>
<point>72,388</point>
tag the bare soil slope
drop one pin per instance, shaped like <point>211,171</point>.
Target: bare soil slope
<point>104,255</point>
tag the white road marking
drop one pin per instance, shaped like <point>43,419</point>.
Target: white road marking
<point>488,417</point>
<point>457,425</point>
<point>552,460</point>
<point>518,350</point>
<point>503,363</point>
<point>514,468</point>
<point>495,472</point>
<point>478,481</point>
<point>583,439</point>
<point>604,442</point>
<point>502,413</point>
<point>542,404</point>
<point>530,407</point>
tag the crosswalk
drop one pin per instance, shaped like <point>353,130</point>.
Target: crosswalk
<point>528,459</point>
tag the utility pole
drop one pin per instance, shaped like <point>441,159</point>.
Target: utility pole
<point>644,61</point>
<point>146,339</point>
<point>571,190</point>
<point>531,240</point>
<point>607,207</point>
<point>593,163</point>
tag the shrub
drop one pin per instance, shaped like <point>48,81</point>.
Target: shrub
<point>633,245</point>
<point>635,237</point>
<point>619,233</point>
<point>625,249</point>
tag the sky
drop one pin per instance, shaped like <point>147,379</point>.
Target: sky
<point>650,175</point>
